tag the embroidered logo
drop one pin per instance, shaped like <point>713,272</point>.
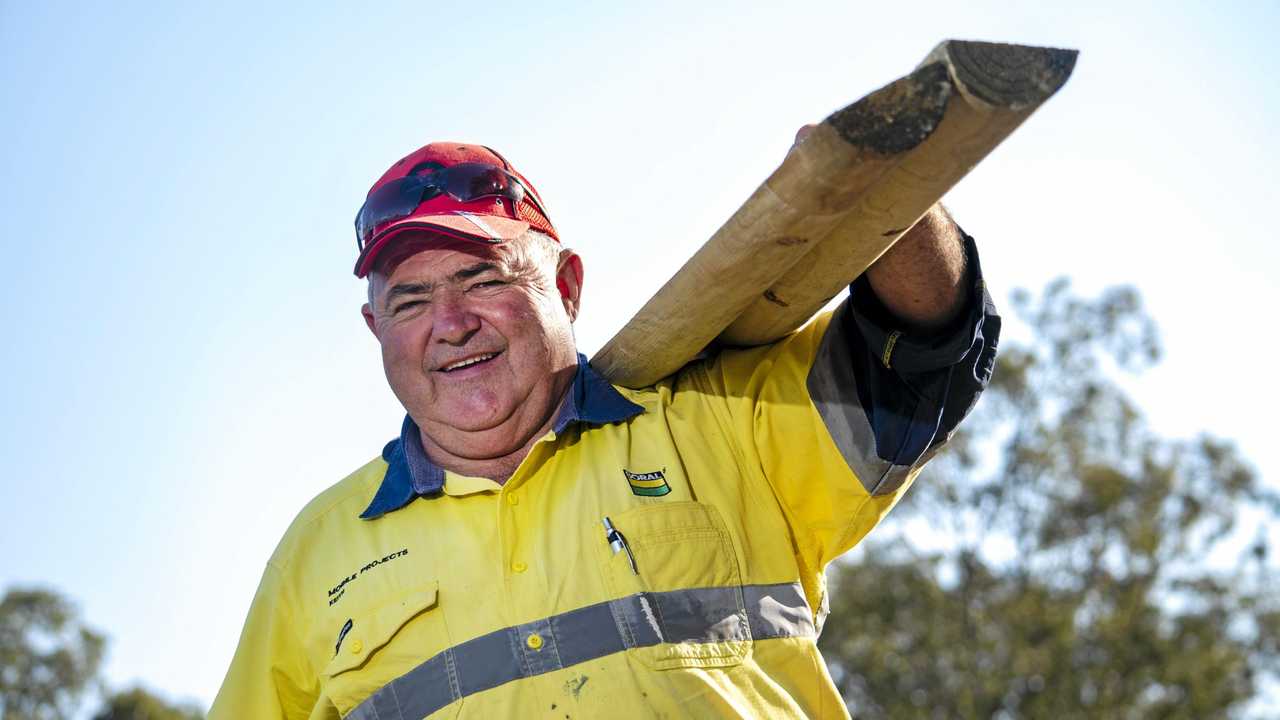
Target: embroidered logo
<point>650,484</point>
<point>342,634</point>
<point>336,593</point>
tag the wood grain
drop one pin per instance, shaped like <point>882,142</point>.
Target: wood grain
<point>992,89</point>
<point>839,200</point>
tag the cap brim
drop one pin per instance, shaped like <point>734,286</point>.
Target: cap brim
<point>461,225</point>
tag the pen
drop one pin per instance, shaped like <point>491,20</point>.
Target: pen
<point>618,543</point>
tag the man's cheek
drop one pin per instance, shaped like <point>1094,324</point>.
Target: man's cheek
<point>403,367</point>
<point>402,348</point>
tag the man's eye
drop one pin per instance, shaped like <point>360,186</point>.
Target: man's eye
<point>488,284</point>
<point>407,306</point>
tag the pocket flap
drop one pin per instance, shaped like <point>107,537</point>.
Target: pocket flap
<point>371,629</point>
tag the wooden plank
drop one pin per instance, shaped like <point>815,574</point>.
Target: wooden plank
<point>995,88</point>
<point>858,169</point>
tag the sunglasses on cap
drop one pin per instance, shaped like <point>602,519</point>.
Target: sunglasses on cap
<point>463,182</point>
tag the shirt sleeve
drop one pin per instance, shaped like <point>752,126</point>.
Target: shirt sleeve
<point>269,677</point>
<point>840,416</point>
<point>915,389</point>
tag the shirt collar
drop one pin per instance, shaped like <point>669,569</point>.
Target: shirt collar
<point>410,473</point>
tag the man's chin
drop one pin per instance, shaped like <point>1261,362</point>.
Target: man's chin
<point>468,419</point>
<point>477,445</point>
<point>482,424</point>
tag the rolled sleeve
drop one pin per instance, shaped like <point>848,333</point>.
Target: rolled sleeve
<point>838,434</point>
<point>914,389</point>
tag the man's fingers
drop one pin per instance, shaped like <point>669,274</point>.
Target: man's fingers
<point>803,133</point>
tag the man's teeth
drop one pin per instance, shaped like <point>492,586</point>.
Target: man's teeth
<point>469,361</point>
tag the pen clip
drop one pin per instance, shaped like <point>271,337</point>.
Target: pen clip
<point>618,543</point>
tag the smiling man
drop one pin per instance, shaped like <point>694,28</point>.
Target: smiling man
<point>477,342</point>
<point>540,543</point>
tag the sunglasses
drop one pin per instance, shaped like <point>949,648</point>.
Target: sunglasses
<point>463,182</point>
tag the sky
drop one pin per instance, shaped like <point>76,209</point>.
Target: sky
<point>184,363</point>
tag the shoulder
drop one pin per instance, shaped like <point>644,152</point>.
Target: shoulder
<point>733,370</point>
<point>339,505</point>
<point>720,380</point>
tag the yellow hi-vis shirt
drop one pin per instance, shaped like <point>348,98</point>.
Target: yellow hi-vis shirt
<point>729,487</point>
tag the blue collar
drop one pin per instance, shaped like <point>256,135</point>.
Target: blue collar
<point>410,473</point>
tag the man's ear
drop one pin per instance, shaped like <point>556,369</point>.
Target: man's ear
<point>569,282</point>
<point>369,320</point>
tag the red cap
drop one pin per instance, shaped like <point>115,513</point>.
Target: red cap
<point>483,220</point>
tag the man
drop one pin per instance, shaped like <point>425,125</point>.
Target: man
<point>539,543</point>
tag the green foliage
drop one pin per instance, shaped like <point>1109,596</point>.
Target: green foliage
<point>1082,569</point>
<point>139,704</point>
<point>48,659</point>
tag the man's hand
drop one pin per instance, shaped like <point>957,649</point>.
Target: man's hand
<point>921,279</point>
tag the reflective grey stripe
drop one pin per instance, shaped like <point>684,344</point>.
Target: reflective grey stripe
<point>699,615</point>
<point>833,386</point>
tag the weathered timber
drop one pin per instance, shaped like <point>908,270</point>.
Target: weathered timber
<point>838,201</point>
<point>993,88</point>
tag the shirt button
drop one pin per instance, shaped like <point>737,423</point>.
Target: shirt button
<point>519,567</point>
<point>534,641</point>
<point>356,647</point>
<point>513,499</point>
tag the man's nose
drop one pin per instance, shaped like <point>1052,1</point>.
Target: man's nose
<point>454,322</point>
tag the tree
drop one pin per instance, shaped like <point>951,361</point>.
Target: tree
<point>140,704</point>
<point>1078,564</point>
<point>48,658</point>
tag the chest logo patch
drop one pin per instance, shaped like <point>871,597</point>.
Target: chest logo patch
<point>649,484</point>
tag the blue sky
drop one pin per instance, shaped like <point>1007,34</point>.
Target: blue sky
<point>185,365</point>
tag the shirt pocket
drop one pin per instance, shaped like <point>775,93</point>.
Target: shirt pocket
<point>385,642</point>
<point>681,604</point>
